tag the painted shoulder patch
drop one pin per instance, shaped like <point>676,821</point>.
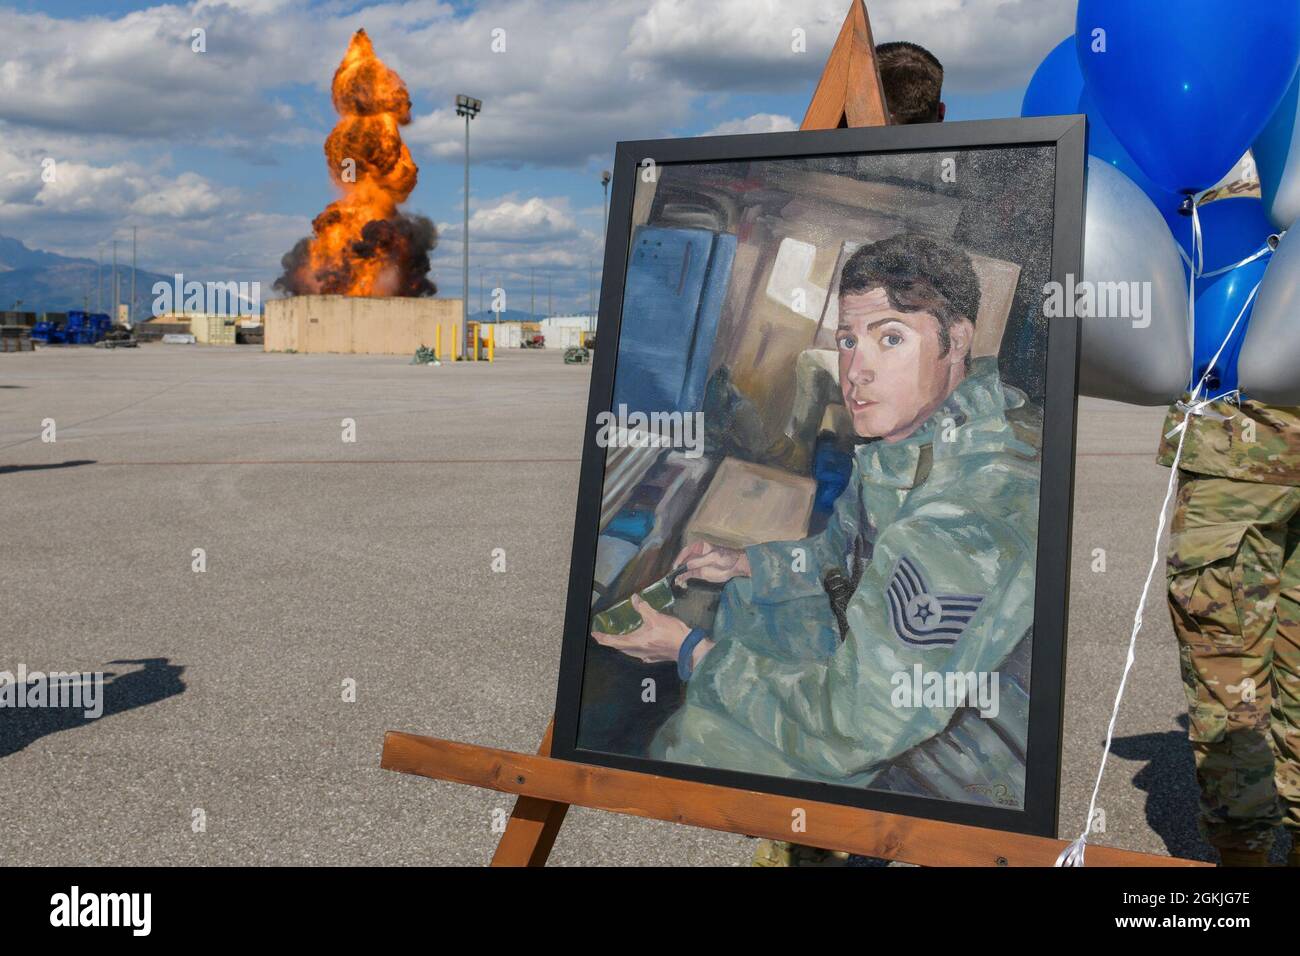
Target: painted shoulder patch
<point>921,618</point>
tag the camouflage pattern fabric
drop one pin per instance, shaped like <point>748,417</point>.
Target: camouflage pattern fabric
<point>1249,441</point>
<point>1234,597</point>
<point>779,853</point>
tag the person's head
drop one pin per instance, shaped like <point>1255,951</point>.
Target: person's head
<point>907,308</point>
<point>913,81</point>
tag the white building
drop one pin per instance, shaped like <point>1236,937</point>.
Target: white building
<point>586,323</point>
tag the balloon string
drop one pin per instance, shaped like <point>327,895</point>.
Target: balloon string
<point>1196,268</point>
<point>1073,854</point>
<point>1265,249</point>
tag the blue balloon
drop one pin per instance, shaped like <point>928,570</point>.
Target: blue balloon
<point>1056,85</point>
<point>1231,230</point>
<point>1056,89</point>
<point>1187,87</point>
<point>1103,144</point>
<point>1218,301</point>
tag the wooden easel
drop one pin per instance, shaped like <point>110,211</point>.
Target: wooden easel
<point>849,93</point>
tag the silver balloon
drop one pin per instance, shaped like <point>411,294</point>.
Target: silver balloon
<point>1268,368</point>
<point>1145,356</point>
<point>1277,160</point>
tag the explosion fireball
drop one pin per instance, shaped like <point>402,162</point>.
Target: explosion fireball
<point>362,244</point>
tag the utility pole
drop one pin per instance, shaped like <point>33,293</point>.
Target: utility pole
<point>591,287</point>
<point>469,108</point>
<point>605,177</point>
<point>130,313</point>
<point>548,296</point>
<point>115,295</point>
<point>99,279</point>
<point>532,293</point>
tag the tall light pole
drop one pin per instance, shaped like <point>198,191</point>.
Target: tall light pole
<point>604,182</point>
<point>130,315</point>
<point>469,108</point>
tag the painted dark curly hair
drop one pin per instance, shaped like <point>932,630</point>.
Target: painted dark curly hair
<point>918,274</point>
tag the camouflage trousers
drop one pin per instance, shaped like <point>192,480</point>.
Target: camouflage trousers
<point>1234,595</point>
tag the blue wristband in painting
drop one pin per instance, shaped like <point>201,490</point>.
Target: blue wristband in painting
<point>686,650</point>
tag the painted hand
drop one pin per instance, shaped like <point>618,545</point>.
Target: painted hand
<point>658,639</point>
<point>712,563</point>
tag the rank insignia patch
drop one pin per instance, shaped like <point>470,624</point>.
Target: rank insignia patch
<point>921,618</point>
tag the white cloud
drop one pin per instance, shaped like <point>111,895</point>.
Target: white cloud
<point>598,71</point>
<point>184,197</point>
<point>533,218</point>
<point>202,227</point>
<point>560,94</point>
<point>758,123</point>
<point>40,189</point>
<point>749,44</point>
<point>139,75</point>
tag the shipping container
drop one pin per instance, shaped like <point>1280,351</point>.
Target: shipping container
<point>213,329</point>
<point>509,335</point>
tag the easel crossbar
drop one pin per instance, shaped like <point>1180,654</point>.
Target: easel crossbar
<point>829,826</point>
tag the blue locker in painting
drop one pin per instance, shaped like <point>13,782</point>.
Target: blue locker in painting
<point>676,281</point>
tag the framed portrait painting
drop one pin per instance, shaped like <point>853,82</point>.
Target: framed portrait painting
<point>822,535</point>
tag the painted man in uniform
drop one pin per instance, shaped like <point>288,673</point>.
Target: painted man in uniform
<point>934,538</point>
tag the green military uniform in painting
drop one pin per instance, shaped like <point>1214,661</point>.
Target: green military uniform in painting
<point>1234,596</point>
<point>951,517</point>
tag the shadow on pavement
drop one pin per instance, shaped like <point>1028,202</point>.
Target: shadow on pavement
<point>1169,781</point>
<point>75,463</point>
<point>157,680</point>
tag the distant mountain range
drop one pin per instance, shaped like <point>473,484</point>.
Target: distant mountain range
<point>507,315</point>
<point>48,282</point>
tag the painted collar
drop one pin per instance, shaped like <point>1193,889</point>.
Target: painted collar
<point>972,420</point>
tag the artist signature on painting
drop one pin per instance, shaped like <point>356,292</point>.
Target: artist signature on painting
<point>999,793</point>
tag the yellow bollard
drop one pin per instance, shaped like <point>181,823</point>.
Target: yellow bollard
<point>437,342</point>
<point>492,342</point>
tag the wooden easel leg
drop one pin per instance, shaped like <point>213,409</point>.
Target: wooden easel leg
<point>533,825</point>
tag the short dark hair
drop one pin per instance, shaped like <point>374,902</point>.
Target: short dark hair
<point>913,81</point>
<point>918,274</point>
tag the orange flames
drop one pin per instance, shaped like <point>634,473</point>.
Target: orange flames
<point>361,244</point>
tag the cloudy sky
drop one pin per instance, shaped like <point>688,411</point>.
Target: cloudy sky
<point>216,156</point>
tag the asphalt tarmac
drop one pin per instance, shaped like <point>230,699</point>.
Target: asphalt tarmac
<point>228,737</point>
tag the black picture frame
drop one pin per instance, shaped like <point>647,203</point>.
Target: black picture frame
<point>1068,135</point>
